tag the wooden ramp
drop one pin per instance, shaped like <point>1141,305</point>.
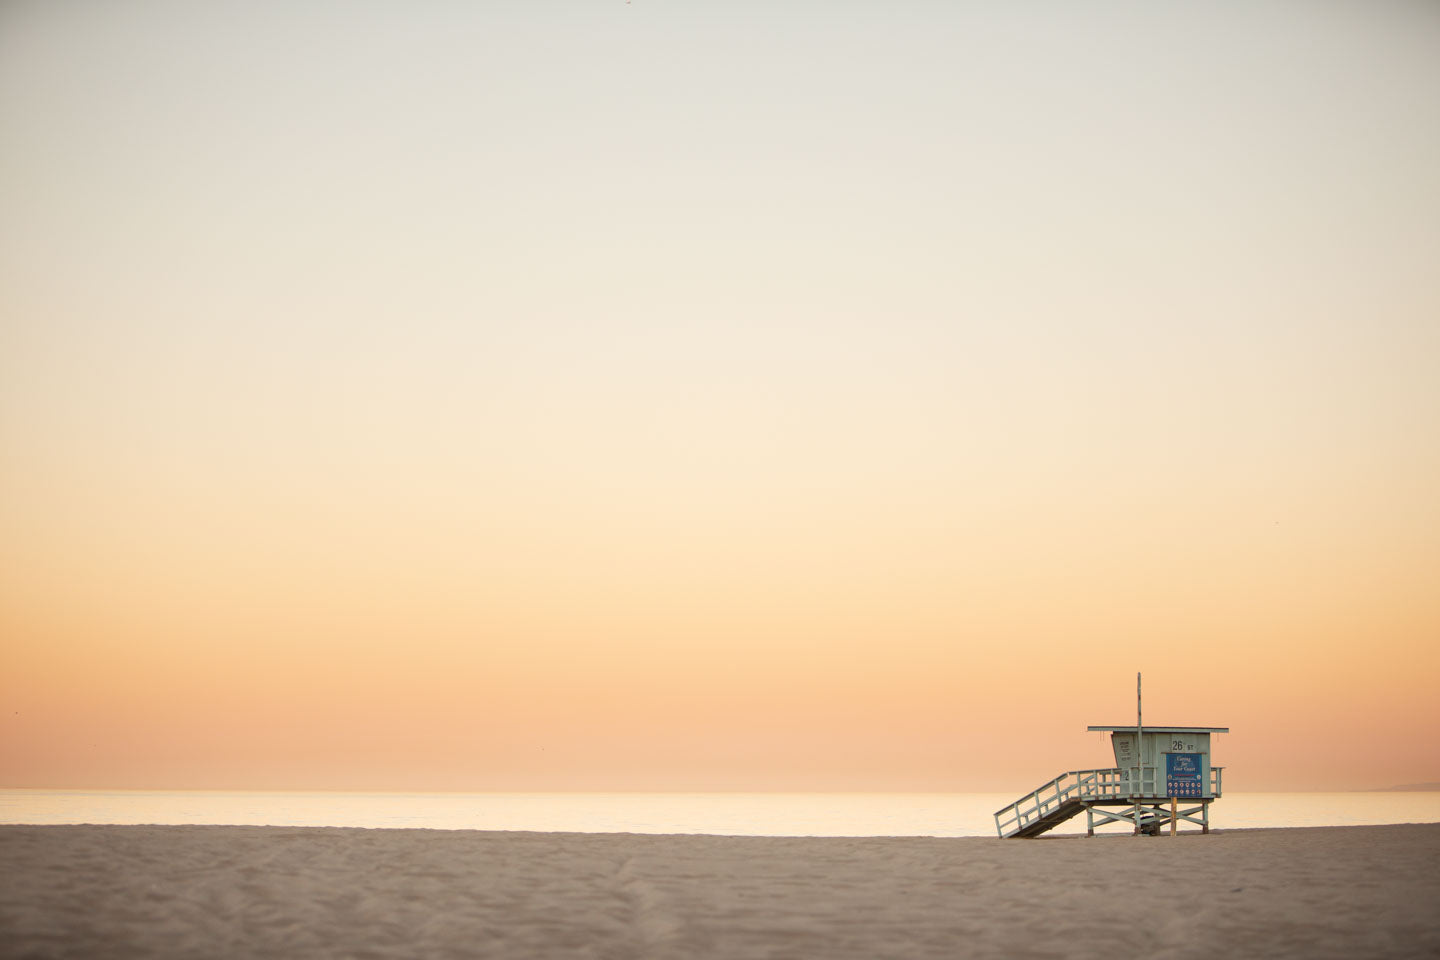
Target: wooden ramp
<point>1048,806</point>
<point>1088,791</point>
<point>1048,820</point>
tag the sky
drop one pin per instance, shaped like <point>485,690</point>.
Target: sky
<point>716,396</point>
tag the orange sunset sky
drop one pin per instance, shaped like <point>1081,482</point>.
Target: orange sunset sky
<point>716,396</point>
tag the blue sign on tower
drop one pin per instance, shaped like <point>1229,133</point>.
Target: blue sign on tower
<point>1182,775</point>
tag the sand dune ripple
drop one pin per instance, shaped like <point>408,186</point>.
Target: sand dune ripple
<point>152,891</point>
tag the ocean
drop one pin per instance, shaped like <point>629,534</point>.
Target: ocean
<point>734,814</point>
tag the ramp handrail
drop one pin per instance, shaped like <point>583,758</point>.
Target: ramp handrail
<point>1073,786</point>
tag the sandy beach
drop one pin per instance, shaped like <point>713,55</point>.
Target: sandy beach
<point>186,891</point>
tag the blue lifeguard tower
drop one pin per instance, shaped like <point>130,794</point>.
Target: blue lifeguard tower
<point>1162,776</point>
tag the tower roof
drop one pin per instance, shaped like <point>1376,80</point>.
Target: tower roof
<point>1131,728</point>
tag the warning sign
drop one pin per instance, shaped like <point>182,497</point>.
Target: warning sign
<point>1182,775</point>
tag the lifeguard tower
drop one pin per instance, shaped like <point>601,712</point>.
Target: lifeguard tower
<point>1157,769</point>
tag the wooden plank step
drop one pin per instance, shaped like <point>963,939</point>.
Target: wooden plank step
<point>1050,821</point>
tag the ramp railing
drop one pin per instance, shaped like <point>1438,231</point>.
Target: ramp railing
<point>1048,800</point>
<point>1062,797</point>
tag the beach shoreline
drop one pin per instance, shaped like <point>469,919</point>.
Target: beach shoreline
<point>239,891</point>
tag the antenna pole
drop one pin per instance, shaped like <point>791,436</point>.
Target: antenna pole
<point>1139,734</point>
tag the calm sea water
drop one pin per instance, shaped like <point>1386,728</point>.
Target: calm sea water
<point>739,814</point>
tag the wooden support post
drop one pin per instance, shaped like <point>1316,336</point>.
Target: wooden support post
<point>1137,818</point>
<point>1089,821</point>
<point>1174,810</point>
<point>1205,817</point>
